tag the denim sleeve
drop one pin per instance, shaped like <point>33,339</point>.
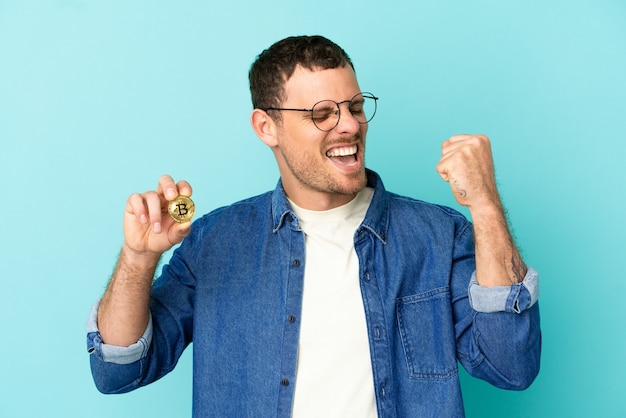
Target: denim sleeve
<point>111,353</point>
<point>515,299</point>
<point>498,329</point>
<point>169,331</point>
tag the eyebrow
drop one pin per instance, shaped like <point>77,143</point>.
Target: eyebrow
<point>327,107</point>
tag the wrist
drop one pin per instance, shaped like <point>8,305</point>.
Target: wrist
<point>139,259</point>
<point>490,210</point>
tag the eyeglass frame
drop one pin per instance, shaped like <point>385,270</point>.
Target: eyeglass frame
<point>363,93</point>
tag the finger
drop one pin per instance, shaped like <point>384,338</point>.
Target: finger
<point>465,146</point>
<point>136,206</point>
<point>167,187</point>
<point>442,169</point>
<point>449,153</point>
<point>177,232</point>
<point>475,140</point>
<point>153,202</point>
<point>459,137</point>
<point>184,188</point>
<point>452,144</point>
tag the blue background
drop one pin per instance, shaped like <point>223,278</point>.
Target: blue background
<point>98,99</point>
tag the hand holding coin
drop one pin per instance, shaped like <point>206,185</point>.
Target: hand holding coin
<point>181,209</point>
<point>147,229</point>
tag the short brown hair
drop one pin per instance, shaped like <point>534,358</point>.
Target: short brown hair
<point>274,66</point>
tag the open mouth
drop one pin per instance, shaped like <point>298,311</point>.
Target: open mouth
<point>345,156</point>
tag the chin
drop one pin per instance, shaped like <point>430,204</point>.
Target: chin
<point>356,182</point>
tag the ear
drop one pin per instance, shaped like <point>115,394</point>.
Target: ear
<point>264,127</point>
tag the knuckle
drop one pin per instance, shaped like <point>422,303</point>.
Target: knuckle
<point>184,188</point>
<point>165,182</point>
<point>150,196</point>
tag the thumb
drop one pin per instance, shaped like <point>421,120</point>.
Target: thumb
<point>179,231</point>
<point>442,169</point>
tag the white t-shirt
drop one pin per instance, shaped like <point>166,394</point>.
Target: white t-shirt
<point>334,376</point>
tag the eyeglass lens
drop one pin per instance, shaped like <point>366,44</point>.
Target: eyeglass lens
<point>326,113</point>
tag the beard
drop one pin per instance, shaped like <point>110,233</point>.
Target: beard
<point>321,181</point>
<point>315,174</point>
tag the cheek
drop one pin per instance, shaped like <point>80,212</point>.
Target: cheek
<point>363,132</point>
<point>299,151</point>
<point>303,142</point>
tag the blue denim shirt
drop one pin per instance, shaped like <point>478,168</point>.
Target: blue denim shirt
<point>234,288</point>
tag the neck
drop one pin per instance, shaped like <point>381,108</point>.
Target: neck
<point>317,200</point>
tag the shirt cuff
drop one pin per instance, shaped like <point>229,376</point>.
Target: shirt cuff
<point>516,298</point>
<point>112,353</point>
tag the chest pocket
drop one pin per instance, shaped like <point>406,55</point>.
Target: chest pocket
<point>427,334</point>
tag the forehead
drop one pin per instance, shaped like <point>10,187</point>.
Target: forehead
<point>306,87</point>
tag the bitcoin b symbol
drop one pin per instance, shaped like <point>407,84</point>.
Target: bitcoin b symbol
<point>181,209</point>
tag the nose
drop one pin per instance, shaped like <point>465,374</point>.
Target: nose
<point>347,122</point>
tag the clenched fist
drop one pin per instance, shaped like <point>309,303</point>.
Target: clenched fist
<point>467,165</point>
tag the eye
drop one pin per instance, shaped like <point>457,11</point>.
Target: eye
<point>321,113</point>
<point>357,107</point>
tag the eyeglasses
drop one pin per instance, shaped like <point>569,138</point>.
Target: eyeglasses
<point>325,114</point>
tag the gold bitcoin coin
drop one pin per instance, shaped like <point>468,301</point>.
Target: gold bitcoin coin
<point>181,209</point>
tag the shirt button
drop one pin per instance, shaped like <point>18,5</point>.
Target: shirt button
<point>291,319</point>
<point>284,382</point>
<point>296,262</point>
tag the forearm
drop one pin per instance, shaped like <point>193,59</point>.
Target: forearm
<point>123,313</point>
<point>498,261</point>
<point>467,165</point>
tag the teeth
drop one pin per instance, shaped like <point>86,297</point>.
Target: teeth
<point>342,151</point>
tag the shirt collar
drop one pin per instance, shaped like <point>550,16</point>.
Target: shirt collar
<point>376,219</point>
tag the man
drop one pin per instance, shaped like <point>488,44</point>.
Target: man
<point>328,296</point>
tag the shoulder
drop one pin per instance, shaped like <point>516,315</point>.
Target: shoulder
<point>252,204</point>
<point>243,213</point>
<point>419,207</point>
<point>386,200</point>
<point>425,215</point>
